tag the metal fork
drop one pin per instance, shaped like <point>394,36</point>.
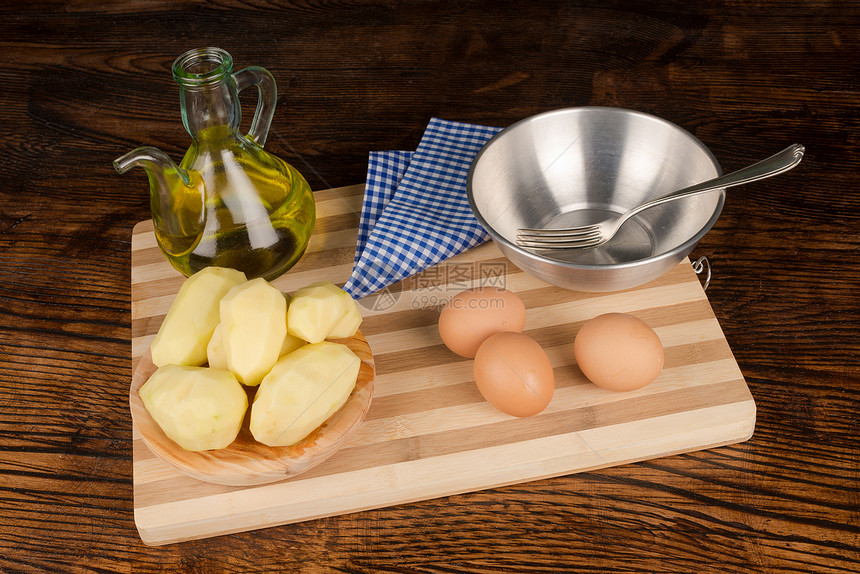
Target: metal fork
<point>599,233</point>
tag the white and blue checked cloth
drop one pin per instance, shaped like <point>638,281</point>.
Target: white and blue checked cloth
<point>415,211</point>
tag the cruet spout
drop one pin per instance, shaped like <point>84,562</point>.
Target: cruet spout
<point>176,197</point>
<point>156,163</point>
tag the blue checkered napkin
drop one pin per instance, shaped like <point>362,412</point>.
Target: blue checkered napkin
<point>385,169</point>
<point>428,219</point>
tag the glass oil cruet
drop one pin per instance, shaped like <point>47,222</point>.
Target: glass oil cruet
<point>229,203</point>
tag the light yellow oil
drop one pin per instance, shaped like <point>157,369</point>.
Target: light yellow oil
<point>245,209</point>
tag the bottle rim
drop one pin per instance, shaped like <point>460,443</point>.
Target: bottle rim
<point>202,67</point>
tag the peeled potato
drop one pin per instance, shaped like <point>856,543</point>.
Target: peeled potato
<point>350,322</point>
<point>215,353</point>
<point>218,357</point>
<point>185,333</point>
<point>290,344</point>
<point>303,389</point>
<point>198,408</point>
<point>253,328</point>
<point>322,310</point>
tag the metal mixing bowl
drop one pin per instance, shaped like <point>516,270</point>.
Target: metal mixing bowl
<point>577,166</point>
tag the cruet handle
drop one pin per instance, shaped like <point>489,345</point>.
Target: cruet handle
<point>267,93</point>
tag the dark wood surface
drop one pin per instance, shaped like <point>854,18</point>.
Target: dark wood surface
<point>83,82</point>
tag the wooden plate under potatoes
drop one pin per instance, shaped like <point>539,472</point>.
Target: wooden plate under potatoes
<point>247,462</point>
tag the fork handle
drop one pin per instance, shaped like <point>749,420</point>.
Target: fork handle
<point>769,167</point>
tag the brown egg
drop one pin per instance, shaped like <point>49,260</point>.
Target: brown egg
<point>473,315</point>
<point>514,374</point>
<point>619,352</point>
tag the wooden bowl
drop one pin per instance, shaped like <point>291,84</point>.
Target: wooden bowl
<point>247,462</point>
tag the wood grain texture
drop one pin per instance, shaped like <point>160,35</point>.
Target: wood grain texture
<point>83,82</point>
<point>429,432</point>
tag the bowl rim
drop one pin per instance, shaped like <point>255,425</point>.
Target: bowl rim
<point>685,247</point>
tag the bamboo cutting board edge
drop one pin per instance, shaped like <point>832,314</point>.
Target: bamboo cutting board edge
<point>170,507</point>
<point>159,532</point>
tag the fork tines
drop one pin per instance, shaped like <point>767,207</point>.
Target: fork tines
<point>565,238</point>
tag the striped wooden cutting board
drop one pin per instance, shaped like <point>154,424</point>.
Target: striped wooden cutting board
<point>429,433</point>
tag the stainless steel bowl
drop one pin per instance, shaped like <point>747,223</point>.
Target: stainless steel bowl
<point>577,166</point>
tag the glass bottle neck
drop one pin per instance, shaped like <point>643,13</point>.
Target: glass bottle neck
<point>208,97</point>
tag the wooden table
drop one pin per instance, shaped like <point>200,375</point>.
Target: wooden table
<point>85,82</point>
